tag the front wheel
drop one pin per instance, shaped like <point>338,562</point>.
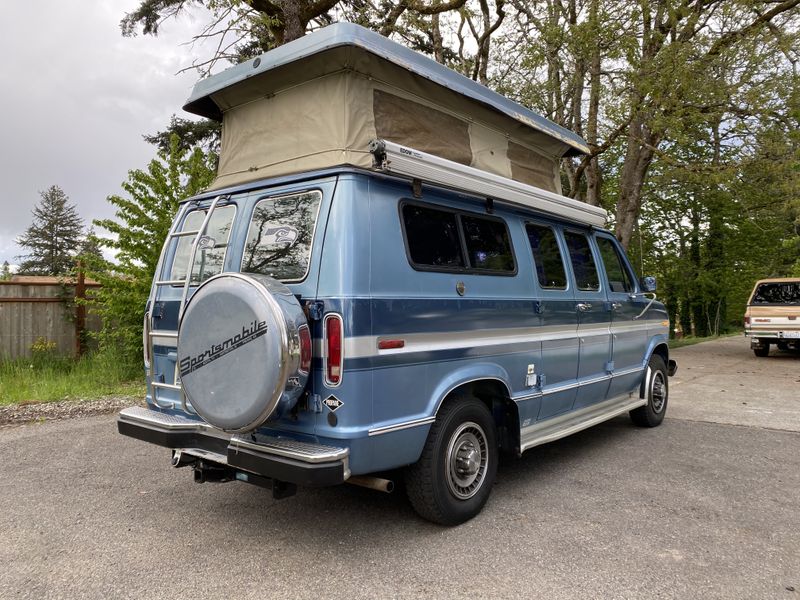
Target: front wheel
<point>454,476</point>
<point>655,389</point>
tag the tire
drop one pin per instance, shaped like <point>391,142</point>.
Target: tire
<point>655,388</point>
<point>453,478</point>
<point>761,352</point>
<point>783,346</point>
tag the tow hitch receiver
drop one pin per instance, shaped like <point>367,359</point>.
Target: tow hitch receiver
<point>210,472</point>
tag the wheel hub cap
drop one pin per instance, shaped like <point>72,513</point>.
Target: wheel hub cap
<point>658,392</point>
<point>467,458</point>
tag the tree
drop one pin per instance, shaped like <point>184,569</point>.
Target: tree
<point>631,75</point>
<point>91,249</point>
<point>141,223</point>
<point>54,236</point>
<point>5,272</point>
<point>203,134</point>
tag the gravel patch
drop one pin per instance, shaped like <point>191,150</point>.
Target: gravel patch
<point>19,414</point>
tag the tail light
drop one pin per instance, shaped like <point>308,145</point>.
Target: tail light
<point>333,340</point>
<point>746,321</point>
<point>305,350</point>
<point>146,340</point>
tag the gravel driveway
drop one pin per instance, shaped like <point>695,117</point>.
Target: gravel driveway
<point>705,506</point>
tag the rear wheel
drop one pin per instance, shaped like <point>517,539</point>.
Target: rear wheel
<point>655,388</point>
<point>454,476</point>
<point>761,352</point>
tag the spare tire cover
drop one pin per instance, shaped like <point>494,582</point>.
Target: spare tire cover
<point>239,350</point>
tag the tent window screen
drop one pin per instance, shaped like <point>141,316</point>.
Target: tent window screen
<point>280,234</point>
<point>421,127</point>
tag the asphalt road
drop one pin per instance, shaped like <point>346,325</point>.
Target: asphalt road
<point>705,506</point>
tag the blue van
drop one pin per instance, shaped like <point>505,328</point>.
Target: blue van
<point>385,276</point>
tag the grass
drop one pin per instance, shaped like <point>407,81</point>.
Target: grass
<point>49,378</point>
<point>691,341</point>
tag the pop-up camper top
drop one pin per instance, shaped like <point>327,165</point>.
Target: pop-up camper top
<point>320,100</point>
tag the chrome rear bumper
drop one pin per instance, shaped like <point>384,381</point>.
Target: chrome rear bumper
<point>280,458</point>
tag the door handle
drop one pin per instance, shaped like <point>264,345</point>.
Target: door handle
<point>583,306</point>
<point>616,305</point>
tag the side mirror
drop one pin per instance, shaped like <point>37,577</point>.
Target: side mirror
<point>648,284</point>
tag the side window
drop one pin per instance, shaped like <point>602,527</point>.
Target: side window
<point>432,237</point>
<point>279,237</point>
<point>488,246</point>
<point>210,256</point>
<point>446,239</point>
<point>580,254</point>
<point>619,280</point>
<point>546,257</point>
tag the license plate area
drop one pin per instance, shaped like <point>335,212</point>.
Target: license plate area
<point>789,334</point>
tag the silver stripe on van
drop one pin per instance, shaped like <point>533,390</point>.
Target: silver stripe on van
<point>367,346</point>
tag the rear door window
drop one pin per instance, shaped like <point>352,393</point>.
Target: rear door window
<point>619,280</point>
<point>280,235</point>
<point>546,257</point>
<point>778,292</point>
<point>583,267</point>
<point>211,249</point>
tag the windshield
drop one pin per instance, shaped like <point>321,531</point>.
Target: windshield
<point>786,292</point>
<point>279,238</point>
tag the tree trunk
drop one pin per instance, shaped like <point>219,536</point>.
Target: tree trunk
<point>638,157</point>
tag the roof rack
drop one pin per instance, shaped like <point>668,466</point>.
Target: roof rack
<point>393,158</point>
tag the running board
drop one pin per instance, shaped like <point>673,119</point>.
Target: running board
<point>563,425</point>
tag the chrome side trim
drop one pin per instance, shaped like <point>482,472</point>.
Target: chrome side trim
<point>572,422</point>
<point>568,386</point>
<point>401,426</point>
<point>367,346</point>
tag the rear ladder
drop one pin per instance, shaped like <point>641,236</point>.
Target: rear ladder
<point>186,283</point>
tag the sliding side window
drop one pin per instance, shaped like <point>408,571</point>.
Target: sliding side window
<point>451,240</point>
<point>547,257</point>
<point>580,254</point>
<point>433,239</point>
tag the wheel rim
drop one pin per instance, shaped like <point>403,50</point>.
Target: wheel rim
<point>467,458</point>
<point>658,392</point>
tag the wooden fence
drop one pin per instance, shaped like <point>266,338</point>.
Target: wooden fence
<point>34,307</point>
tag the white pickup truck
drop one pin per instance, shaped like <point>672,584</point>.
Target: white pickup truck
<point>773,315</point>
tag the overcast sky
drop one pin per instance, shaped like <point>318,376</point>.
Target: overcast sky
<point>76,98</point>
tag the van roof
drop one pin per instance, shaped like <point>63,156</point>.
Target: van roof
<point>361,40</point>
